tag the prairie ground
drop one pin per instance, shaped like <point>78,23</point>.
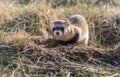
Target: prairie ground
<point>27,48</point>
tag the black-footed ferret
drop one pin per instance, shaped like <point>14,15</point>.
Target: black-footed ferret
<point>75,29</point>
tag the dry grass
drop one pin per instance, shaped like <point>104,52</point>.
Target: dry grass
<point>27,49</point>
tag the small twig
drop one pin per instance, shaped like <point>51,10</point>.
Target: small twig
<point>104,63</point>
<point>117,74</point>
<point>13,73</point>
<point>68,75</point>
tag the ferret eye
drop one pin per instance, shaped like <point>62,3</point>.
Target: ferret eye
<point>62,28</point>
<point>53,29</point>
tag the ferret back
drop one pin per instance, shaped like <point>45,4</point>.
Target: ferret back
<point>77,19</point>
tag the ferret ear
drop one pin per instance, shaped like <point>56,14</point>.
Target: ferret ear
<point>67,22</point>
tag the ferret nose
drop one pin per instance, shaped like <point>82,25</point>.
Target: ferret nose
<point>57,33</point>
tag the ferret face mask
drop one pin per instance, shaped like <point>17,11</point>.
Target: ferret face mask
<point>59,28</point>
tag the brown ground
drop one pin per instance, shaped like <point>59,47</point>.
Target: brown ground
<point>50,56</point>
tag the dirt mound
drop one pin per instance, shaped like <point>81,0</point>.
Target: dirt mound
<point>49,55</point>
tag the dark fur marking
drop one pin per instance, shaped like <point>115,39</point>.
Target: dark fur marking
<point>73,20</point>
<point>58,28</point>
<point>72,40</point>
<point>58,22</point>
<point>75,38</point>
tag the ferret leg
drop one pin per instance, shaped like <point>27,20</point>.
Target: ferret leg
<point>86,40</point>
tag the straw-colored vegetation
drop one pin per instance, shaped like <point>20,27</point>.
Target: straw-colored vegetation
<point>27,48</point>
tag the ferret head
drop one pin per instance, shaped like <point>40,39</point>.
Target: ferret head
<point>60,28</point>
